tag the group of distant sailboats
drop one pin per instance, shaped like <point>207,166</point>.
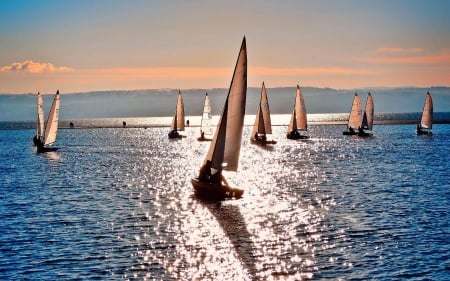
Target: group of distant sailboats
<point>224,150</point>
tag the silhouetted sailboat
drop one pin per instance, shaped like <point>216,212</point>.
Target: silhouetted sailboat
<point>298,118</point>
<point>206,123</point>
<point>223,153</point>
<point>262,125</point>
<point>46,135</point>
<point>426,120</point>
<point>359,120</point>
<point>178,119</point>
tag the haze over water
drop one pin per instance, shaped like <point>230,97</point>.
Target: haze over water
<point>116,203</point>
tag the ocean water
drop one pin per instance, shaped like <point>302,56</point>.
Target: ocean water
<point>117,203</point>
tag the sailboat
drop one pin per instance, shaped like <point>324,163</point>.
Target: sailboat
<point>46,135</point>
<point>178,119</point>
<point>206,123</point>
<point>367,123</point>
<point>360,120</point>
<point>262,125</point>
<point>298,118</point>
<point>426,120</point>
<point>223,153</point>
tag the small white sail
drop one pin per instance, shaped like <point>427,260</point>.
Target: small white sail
<point>51,127</point>
<point>298,117</point>
<point>178,118</point>
<point>40,116</point>
<point>226,144</point>
<point>206,123</point>
<point>368,113</point>
<point>262,124</point>
<point>426,121</point>
<point>356,115</point>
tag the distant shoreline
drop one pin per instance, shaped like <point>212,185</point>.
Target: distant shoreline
<point>315,119</point>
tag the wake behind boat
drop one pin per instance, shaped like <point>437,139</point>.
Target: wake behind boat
<point>178,119</point>
<point>46,135</point>
<point>262,125</point>
<point>298,121</point>
<point>426,120</point>
<point>223,153</point>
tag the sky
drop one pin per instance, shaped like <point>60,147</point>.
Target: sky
<point>100,45</point>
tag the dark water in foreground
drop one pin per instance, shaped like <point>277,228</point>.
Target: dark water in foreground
<point>117,203</point>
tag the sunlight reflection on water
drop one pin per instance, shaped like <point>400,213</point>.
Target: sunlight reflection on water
<point>119,203</point>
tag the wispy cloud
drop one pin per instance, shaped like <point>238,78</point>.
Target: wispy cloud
<point>34,67</point>
<point>397,50</point>
<point>405,57</point>
<point>310,71</point>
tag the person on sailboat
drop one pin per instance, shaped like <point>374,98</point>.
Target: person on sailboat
<point>208,174</point>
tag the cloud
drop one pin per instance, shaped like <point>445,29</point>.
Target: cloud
<point>310,71</point>
<point>396,50</point>
<point>34,67</point>
<point>432,59</point>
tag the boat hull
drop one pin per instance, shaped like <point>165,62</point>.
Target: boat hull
<point>424,133</point>
<point>215,191</point>
<point>203,139</point>
<point>43,149</point>
<point>262,142</point>
<point>357,134</point>
<point>291,136</point>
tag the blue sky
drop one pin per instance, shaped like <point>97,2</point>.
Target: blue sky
<point>80,46</point>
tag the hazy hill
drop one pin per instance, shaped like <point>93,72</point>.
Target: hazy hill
<point>161,102</point>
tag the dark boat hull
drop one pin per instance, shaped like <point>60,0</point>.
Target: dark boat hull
<point>262,142</point>
<point>43,149</point>
<point>424,133</point>
<point>215,191</point>
<point>296,137</point>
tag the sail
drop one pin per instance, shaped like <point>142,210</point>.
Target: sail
<point>298,117</point>
<point>206,124</point>
<point>178,118</point>
<point>356,116</point>
<point>226,144</point>
<point>262,124</point>
<point>40,116</point>
<point>52,121</point>
<point>368,113</point>
<point>426,120</point>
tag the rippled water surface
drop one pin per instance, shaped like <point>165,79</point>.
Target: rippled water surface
<point>117,203</point>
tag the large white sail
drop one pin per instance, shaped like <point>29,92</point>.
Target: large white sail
<point>40,116</point>
<point>368,113</point>
<point>262,124</point>
<point>298,117</point>
<point>426,120</point>
<point>356,116</point>
<point>226,144</point>
<point>51,127</point>
<point>206,124</point>
<point>178,118</point>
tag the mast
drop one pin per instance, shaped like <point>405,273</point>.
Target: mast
<point>51,127</point>
<point>226,144</point>
<point>40,116</point>
<point>426,120</point>
<point>356,117</point>
<point>300,109</point>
